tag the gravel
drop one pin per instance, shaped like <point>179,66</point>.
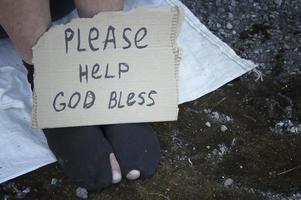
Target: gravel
<point>228,182</point>
<point>224,128</point>
<point>267,32</point>
<point>81,193</point>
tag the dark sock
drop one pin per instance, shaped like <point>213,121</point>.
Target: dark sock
<point>83,155</point>
<point>135,146</point>
<point>82,152</point>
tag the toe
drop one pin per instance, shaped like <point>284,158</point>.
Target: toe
<point>133,174</point>
<point>116,172</point>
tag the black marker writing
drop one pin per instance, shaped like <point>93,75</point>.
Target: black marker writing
<point>91,38</point>
<point>137,40</point>
<point>78,42</point>
<point>69,33</point>
<point>126,38</point>
<point>60,103</point>
<point>110,37</point>
<point>55,106</point>
<point>120,100</point>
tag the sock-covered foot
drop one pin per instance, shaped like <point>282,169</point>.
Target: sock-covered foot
<point>136,147</point>
<point>82,152</point>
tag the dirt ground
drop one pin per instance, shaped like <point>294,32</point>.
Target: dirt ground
<point>242,141</point>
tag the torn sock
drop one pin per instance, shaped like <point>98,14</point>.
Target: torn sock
<point>136,147</point>
<point>82,152</point>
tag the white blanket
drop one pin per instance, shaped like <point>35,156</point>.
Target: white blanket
<point>207,64</point>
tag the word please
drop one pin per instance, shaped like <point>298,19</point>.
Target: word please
<point>97,40</point>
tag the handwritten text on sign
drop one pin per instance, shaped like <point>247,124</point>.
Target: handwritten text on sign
<point>117,67</point>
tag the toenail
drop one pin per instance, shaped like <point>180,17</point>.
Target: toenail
<point>132,175</point>
<point>116,177</point>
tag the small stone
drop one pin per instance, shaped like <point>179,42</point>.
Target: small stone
<point>228,119</point>
<point>294,129</point>
<point>228,182</point>
<point>54,181</point>
<point>224,128</point>
<point>26,190</point>
<point>289,111</point>
<point>208,147</point>
<point>22,194</point>
<point>207,111</point>
<point>229,25</point>
<point>215,116</point>
<point>233,142</point>
<point>280,124</point>
<point>278,2</point>
<point>81,193</point>
<point>290,123</point>
<point>208,124</point>
<point>215,152</point>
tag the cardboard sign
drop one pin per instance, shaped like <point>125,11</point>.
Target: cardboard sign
<point>117,67</point>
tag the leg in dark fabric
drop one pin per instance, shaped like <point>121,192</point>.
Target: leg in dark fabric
<point>136,147</point>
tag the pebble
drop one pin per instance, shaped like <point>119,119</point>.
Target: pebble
<point>294,129</point>
<point>54,181</point>
<point>228,119</point>
<point>278,2</point>
<point>22,194</point>
<point>208,124</point>
<point>230,15</point>
<point>289,111</point>
<point>229,25</point>
<point>228,182</point>
<point>81,193</point>
<point>233,142</point>
<point>224,128</point>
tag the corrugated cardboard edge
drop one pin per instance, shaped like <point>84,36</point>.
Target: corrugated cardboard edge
<point>176,23</point>
<point>34,113</point>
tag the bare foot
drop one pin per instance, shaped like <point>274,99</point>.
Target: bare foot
<point>116,172</point>
<point>133,175</point>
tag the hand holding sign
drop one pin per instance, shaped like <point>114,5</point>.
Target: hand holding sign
<point>118,67</point>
